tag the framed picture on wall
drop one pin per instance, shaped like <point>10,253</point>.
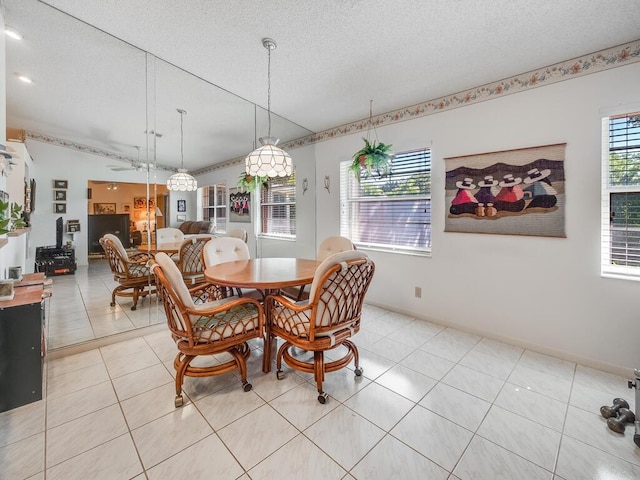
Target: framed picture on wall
<point>126,208</point>
<point>60,195</point>
<point>104,208</point>
<point>59,208</point>
<point>140,202</point>
<point>61,184</point>
<point>181,218</point>
<point>182,205</point>
<point>239,205</point>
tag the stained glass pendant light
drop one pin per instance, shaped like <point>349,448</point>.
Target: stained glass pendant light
<point>182,181</point>
<point>269,160</point>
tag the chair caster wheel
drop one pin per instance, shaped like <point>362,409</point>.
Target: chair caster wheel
<point>280,375</point>
<point>323,397</point>
<point>246,386</point>
<point>358,371</point>
<point>179,401</point>
<point>133,308</point>
<point>112,304</point>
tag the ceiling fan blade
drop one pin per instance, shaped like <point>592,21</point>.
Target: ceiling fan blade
<point>120,168</point>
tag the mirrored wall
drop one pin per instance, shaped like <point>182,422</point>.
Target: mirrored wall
<point>101,110</point>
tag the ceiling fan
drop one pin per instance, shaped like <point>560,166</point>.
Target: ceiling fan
<point>133,165</point>
<point>138,166</point>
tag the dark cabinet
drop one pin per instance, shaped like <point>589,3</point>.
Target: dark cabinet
<point>99,225</point>
<point>22,349</point>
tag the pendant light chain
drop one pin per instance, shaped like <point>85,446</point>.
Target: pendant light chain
<point>182,112</point>
<point>269,48</point>
<point>371,124</point>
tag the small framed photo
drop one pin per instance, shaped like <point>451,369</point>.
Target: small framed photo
<point>182,205</point>
<point>181,218</point>
<point>60,195</point>
<point>140,202</point>
<point>104,208</point>
<point>59,208</point>
<point>73,226</point>
<point>126,208</point>
<point>61,184</point>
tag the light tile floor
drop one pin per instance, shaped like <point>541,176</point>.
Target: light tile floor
<point>434,403</point>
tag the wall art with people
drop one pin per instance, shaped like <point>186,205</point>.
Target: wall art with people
<point>511,192</point>
<point>239,205</point>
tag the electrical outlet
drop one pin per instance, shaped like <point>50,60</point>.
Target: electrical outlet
<point>418,292</point>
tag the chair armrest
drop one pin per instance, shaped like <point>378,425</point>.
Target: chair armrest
<point>138,258</point>
<point>288,303</point>
<point>226,304</point>
<point>207,292</point>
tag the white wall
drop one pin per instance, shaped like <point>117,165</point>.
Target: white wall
<point>545,293</point>
<point>50,163</point>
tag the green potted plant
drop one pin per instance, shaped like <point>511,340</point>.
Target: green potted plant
<point>373,157</point>
<point>249,183</point>
<point>10,217</point>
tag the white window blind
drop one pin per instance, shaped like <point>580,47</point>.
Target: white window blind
<point>278,207</point>
<point>621,196</point>
<point>214,205</point>
<point>392,212</point>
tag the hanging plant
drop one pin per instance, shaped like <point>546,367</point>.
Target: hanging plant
<point>374,157</point>
<point>249,183</point>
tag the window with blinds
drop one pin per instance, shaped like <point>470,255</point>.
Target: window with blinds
<point>214,205</point>
<point>278,207</point>
<point>621,196</point>
<point>392,212</point>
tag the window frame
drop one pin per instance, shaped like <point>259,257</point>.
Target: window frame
<point>215,207</point>
<point>608,268</point>
<point>348,224</point>
<point>267,202</point>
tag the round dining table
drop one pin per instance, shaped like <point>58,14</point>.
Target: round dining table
<point>268,275</point>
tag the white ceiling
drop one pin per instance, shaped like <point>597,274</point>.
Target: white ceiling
<point>333,57</point>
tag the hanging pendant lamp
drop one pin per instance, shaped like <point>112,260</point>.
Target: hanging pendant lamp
<point>182,181</point>
<point>269,160</point>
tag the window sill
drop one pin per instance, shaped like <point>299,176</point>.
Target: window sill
<point>411,253</point>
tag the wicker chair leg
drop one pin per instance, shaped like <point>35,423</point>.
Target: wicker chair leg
<point>281,350</point>
<point>356,357</point>
<point>318,363</point>
<point>239,356</point>
<point>181,363</point>
<point>113,297</point>
<point>136,294</point>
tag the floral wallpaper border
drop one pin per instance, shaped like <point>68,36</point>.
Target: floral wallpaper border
<point>595,62</point>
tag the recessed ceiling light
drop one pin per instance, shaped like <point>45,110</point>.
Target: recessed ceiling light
<point>10,32</point>
<point>25,79</point>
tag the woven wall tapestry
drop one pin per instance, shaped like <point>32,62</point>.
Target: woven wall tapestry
<point>513,192</point>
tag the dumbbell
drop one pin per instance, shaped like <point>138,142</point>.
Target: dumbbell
<point>618,403</point>
<point>624,416</point>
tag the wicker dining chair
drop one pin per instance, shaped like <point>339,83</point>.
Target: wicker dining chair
<point>130,271</point>
<point>190,261</point>
<point>326,321</point>
<point>329,246</point>
<point>202,323</point>
<point>228,249</point>
<point>240,233</point>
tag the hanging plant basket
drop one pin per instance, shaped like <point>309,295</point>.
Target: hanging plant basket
<point>373,158</point>
<point>249,183</point>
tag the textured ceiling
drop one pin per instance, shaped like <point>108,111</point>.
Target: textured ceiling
<point>333,57</point>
